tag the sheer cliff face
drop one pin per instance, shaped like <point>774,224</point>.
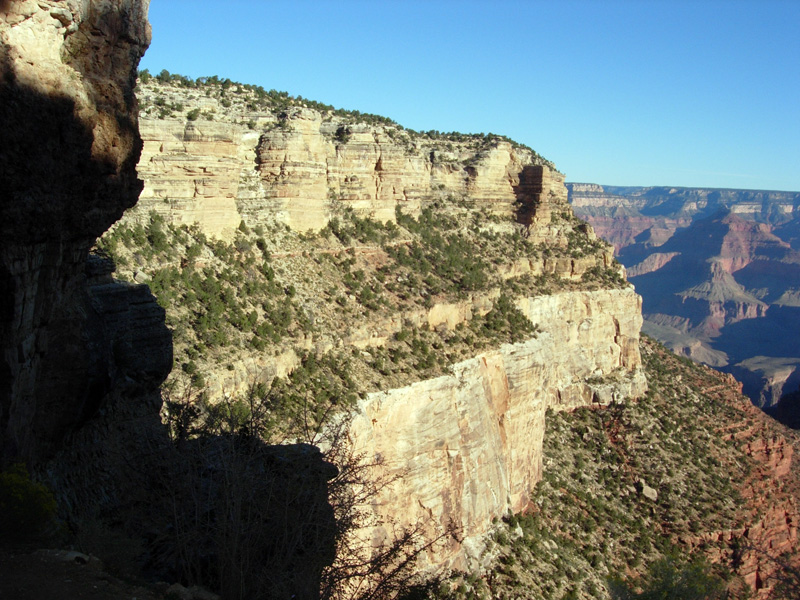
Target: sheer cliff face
<point>374,175</point>
<point>297,170</point>
<point>68,151</point>
<point>464,448</point>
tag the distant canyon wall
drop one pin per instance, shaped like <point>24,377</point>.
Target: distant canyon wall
<point>626,215</point>
<point>719,271</point>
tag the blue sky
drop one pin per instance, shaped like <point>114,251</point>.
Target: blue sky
<point>698,93</point>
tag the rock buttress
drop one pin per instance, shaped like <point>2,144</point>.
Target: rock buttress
<point>465,448</point>
<point>69,144</point>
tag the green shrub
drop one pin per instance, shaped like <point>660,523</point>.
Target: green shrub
<point>667,578</point>
<point>343,134</point>
<point>26,507</point>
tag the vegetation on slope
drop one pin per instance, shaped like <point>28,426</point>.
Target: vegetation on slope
<point>627,488</point>
<point>314,301</point>
<point>248,103</point>
<point>274,293</point>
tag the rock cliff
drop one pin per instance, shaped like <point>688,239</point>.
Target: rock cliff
<point>70,144</point>
<point>465,447</point>
<point>460,428</point>
<point>298,166</point>
<point>691,468</point>
<point>438,286</point>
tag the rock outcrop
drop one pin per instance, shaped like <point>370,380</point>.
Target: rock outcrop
<point>466,447</point>
<point>69,144</point>
<point>192,170</point>
<point>301,167</point>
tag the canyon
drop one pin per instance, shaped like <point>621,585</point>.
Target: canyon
<point>472,433</point>
<point>718,271</point>
<point>460,443</point>
<point>433,292</point>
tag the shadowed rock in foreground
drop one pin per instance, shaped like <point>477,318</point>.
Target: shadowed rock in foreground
<point>82,356</point>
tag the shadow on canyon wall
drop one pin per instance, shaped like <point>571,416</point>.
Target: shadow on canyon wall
<point>83,357</point>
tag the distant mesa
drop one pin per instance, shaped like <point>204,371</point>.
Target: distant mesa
<point>718,270</point>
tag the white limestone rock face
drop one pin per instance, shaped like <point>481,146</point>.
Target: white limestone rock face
<point>191,172</point>
<point>467,447</point>
<point>296,170</point>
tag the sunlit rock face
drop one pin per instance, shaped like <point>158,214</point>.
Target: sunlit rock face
<point>68,150</point>
<point>718,271</point>
<point>466,447</point>
<point>300,171</point>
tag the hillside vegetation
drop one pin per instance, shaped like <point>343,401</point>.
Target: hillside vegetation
<point>665,480</point>
<point>295,298</point>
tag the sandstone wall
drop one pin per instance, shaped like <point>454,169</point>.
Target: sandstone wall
<point>191,172</point>
<point>297,171</point>
<point>467,447</point>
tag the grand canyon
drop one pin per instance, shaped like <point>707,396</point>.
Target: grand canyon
<point>254,346</point>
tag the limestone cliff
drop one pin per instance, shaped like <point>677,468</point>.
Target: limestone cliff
<point>465,447</point>
<point>365,267</point>
<point>298,166</point>
<point>691,468</point>
<point>379,245</point>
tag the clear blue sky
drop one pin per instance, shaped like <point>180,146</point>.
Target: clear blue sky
<point>696,93</point>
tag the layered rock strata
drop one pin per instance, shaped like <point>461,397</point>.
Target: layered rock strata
<point>718,271</point>
<point>466,447</point>
<point>627,215</point>
<point>297,169</point>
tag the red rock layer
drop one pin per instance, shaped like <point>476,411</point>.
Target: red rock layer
<point>768,540</point>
